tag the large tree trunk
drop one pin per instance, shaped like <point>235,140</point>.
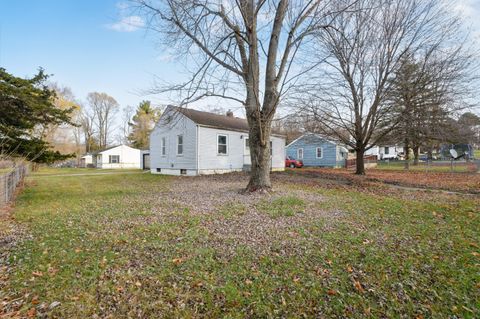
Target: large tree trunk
<point>260,160</point>
<point>360,164</point>
<point>416,151</point>
<point>407,155</point>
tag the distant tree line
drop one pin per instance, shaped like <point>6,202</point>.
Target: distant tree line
<point>44,123</point>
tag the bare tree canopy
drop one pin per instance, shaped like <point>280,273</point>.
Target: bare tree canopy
<point>243,51</point>
<point>361,52</point>
<point>103,110</point>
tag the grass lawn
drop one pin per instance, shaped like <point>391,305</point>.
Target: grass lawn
<point>476,153</point>
<point>149,246</point>
<point>74,170</point>
<point>457,167</point>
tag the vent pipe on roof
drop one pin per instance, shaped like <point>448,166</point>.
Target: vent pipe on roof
<point>229,113</point>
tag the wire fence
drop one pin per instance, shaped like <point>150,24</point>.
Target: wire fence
<point>457,166</point>
<point>9,180</point>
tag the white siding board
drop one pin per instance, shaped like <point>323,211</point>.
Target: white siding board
<point>170,126</point>
<point>200,148</point>
<point>129,158</point>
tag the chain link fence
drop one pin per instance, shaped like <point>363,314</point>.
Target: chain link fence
<point>453,166</point>
<point>9,180</point>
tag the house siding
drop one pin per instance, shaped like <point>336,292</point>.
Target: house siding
<point>129,158</point>
<point>170,125</point>
<point>210,162</point>
<point>200,155</point>
<point>330,151</point>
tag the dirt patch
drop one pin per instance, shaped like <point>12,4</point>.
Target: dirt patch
<point>233,219</point>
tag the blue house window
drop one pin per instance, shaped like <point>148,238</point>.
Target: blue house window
<point>319,152</point>
<point>300,153</point>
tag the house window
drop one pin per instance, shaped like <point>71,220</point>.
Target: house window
<point>164,146</point>
<point>222,144</point>
<point>159,170</point>
<point>300,153</point>
<point>180,145</point>
<point>247,146</point>
<point>183,171</point>
<point>387,150</point>
<point>114,159</point>
<point>319,152</point>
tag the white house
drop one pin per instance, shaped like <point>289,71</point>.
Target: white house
<point>191,142</point>
<point>86,160</point>
<point>386,152</point>
<point>121,156</point>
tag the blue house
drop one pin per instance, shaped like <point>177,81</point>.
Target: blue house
<point>316,150</point>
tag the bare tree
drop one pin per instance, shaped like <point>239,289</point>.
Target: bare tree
<point>125,128</point>
<point>104,108</point>
<point>362,51</point>
<point>240,50</point>
<point>87,122</point>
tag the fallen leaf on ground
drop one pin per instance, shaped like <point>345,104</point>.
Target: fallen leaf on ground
<point>31,313</point>
<point>358,286</point>
<point>177,261</point>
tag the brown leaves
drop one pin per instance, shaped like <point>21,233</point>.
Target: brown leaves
<point>331,292</point>
<point>177,261</point>
<point>31,313</point>
<point>358,286</point>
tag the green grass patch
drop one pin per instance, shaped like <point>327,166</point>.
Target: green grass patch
<point>112,246</point>
<point>423,167</point>
<point>282,206</point>
<point>232,210</point>
<point>78,171</point>
<point>476,153</point>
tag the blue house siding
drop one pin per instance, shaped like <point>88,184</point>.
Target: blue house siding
<point>309,144</point>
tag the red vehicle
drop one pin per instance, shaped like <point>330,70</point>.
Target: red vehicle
<point>293,163</point>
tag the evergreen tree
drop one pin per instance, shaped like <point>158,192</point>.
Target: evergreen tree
<point>142,124</point>
<point>25,106</point>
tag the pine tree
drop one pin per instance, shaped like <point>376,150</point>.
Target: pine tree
<point>142,124</point>
<point>25,106</point>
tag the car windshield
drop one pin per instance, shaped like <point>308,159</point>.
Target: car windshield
<point>290,158</point>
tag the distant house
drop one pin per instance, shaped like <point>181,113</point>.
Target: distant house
<point>86,160</point>
<point>316,150</point>
<point>386,152</point>
<point>191,142</point>
<point>121,156</point>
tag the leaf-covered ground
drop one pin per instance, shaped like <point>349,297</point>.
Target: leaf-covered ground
<point>145,246</point>
<point>465,182</point>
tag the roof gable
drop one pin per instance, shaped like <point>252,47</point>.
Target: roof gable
<point>312,138</point>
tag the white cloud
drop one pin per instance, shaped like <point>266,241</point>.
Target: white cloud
<point>127,24</point>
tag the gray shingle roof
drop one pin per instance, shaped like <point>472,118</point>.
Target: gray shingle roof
<point>217,120</point>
